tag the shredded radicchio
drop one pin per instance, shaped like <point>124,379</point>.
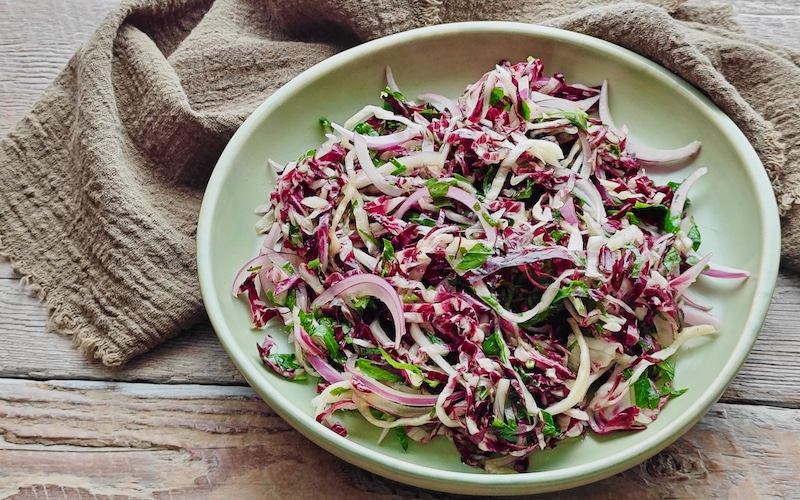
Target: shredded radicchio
<point>497,269</point>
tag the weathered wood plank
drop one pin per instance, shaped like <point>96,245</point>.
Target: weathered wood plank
<point>34,47</point>
<point>146,440</point>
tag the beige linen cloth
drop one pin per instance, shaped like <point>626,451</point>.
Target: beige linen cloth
<point>101,183</point>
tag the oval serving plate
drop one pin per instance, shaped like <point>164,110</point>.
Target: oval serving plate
<point>731,203</point>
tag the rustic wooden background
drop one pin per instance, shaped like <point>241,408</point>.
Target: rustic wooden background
<point>181,422</point>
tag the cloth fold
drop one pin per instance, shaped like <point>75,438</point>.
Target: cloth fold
<point>103,179</point>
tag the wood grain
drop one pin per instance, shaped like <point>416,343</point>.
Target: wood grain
<point>34,49</point>
<point>147,440</point>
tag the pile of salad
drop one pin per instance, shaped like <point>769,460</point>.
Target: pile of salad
<point>497,269</point>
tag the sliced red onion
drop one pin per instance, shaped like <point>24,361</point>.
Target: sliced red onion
<point>281,259</point>
<point>720,271</point>
<point>689,276</point>
<point>363,382</point>
<point>648,157</point>
<point>382,114</point>
<point>682,193</point>
<point>380,141</point>
<point>412,200</point>
<point>272,237</point>
<point>667,159</point>
<point>443,102</point>
<point>360,285</point>
<point>390,82</point>
<point>326,371</point>
<point>689,298</point>
<point>253,266</point>
<point>559,104</point>
<point>378,180</point>
<point>693,316</point>
<point>304,341</point>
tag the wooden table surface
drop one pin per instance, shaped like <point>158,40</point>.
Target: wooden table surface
<point>181,422</point>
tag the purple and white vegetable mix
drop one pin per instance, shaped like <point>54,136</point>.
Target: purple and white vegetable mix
<point>498,269</point>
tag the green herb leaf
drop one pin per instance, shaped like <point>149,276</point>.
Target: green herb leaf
<point>339,391</point>
<point>672,223</point>
<point>394,93</point>
<point>290,299</point>
<point>368,237</point>
<point>288,363</point>
<point>549,429</point>
<point>474,257</point>
<point>507,429</point>
<point>575,288</point>
<point>313,264</point>
<point>672,259</point>
<point>645,393</point>
<point>666,369</point>
<point>634,219</point>
<point>579,118</point>
<point>423,220</point>
<point>379,414</point>
<point>490,301</point>
<point>497,96</point>
<point>526,110</point>
<point>668,390</point>
<point>488,178</point>
<point>325,122</point>
<point>402,437</point>
<point>558,234</point>
<point>694,235</point>
<point>437,189</point>
<point>492,345</point>
<point>627,373</point>
<point>387,257</point>
<point>370,369</point>
<point>361,303</point>
<point>434,339</point>
<point>324,330</point>
<point>399,365</point>
<point>364,128</point>
<point>399,167</point>
<point>525,193</point>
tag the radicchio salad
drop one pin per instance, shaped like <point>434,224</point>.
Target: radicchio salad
<point>498,269</point>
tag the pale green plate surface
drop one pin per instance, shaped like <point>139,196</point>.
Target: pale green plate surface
<point>733,205</point>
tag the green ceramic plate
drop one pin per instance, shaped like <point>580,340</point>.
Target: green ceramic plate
<point>733,205</point>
